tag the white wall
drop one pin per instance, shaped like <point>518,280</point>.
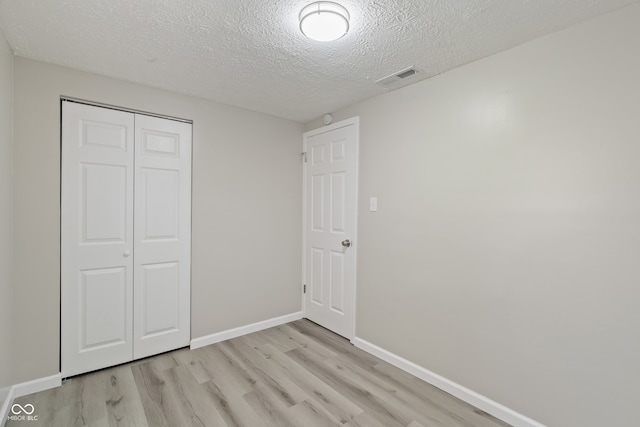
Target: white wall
<point>6,217</point>
<point>246,245</point>
<point>505,252</point>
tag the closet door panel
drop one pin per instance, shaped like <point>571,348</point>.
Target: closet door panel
<point>96,238</point>
<point>162,235</point>
<point>160,287</point>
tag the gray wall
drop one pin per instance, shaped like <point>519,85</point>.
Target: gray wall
<point>6,217</point>
<point>505,252</point>
<point>246,249</point>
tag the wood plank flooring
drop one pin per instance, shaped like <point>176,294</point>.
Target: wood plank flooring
<point>294,375</point>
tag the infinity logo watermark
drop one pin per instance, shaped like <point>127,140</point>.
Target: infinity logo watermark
<point>18,409</point>
<point>22,413</point>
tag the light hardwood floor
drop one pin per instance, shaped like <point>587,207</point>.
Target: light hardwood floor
<point>298,374</point>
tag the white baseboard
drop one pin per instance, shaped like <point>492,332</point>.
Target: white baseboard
<point>243,330</point>
<point>25,388</point>
<point>37,385</point>
<point>4,409</point>
<point>479,401</point>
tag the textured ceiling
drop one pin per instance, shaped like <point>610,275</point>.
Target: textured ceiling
<point>251,54</point>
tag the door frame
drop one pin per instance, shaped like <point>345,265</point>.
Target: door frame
<point>355,121</point>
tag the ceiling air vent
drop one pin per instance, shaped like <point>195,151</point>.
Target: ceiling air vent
<point>398,76</point>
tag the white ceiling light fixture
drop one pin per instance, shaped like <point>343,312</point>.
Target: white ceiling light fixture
<point>324,21</point>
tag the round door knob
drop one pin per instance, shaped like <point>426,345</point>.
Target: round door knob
<point>346,243</point>
<point>126,253</point>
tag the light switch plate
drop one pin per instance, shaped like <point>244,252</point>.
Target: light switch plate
<point>373,204</point>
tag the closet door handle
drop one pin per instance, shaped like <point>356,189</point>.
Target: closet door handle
<point>126,253</point>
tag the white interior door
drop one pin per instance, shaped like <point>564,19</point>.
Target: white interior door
<point>330,225</point>
<point>126,236</point>
<point>162,235</point>
<point>97,238</point>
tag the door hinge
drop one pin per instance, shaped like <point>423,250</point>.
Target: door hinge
<point>304,289</point>
<point>304,156</point>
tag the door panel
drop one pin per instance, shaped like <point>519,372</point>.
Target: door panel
<point>162,235</point>
<point>336,266</point>
<point>330,206</point>
<point>96,236</point>
<point>103,296</point>
<point>160,143</point>
<point>317,202</point>
<point>103,135</point>
<point>104,203</point>
<point>338,202</point>
<point>160,290</point>
<point>161,207</point>
<point>316,276</point>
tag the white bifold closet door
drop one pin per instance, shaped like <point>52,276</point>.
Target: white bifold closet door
<point>125,236</point>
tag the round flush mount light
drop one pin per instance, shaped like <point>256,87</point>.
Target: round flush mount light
<point>324,21</point>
